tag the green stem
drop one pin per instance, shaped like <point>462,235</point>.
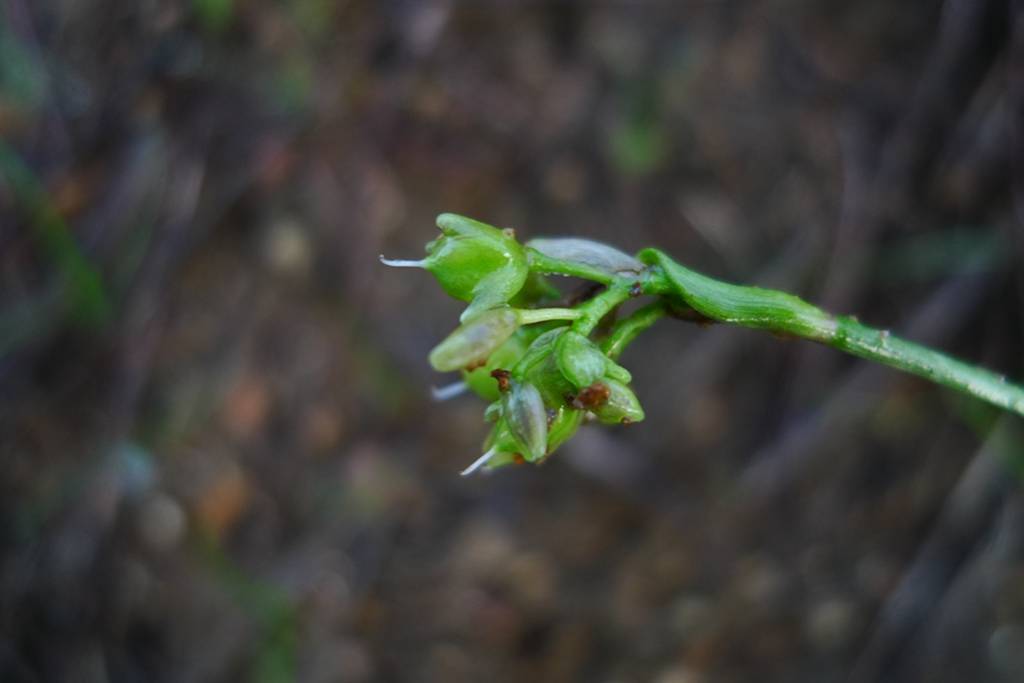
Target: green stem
<point>882,347</point>
<point>530,316</point>
<point>786,314</point>
<point>601,305</point>
<point>628,329</point>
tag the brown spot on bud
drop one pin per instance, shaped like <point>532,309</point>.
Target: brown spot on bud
<point>594,396</point>
<point>518,459</point>
<point>636,290</point>
<point>503,377</point>
<point>478,364</point>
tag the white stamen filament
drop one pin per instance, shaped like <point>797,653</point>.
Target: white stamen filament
<point>450,391</point>
<point>479,462</point>
<point>401,263</point>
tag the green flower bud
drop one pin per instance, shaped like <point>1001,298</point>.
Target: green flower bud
<point>588,252</point>
<point>492,460</point>
<point>538,366</point>
<point>563,426</point>
<point>579,359</point>
<point>476,262</point>
<point>539,350</point>
<point>621,406</point>
<point>502,448</point>
<point>473,262</point>
<point>522,409</point>
<point>506,356</point>
<point>499,450</point>
<point>475,340</point>
<point>616,372</point>
<point>492,412</point>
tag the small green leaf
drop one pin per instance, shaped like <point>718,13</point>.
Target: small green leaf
<point>588,252</point>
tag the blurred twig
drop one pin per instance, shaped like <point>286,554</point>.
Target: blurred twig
<point>963,525</point>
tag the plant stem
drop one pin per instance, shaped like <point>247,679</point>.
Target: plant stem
<point>882,347</point>
<point>786,314</point>
<point>530,316</point>
<point>601,305</point>
<point>628,329</point>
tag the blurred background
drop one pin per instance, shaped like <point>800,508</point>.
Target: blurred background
<point>220,458</point>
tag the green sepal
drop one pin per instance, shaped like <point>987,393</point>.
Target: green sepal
<point>563,426</point>
<point>538,366</point>
<point>475,340</point>
<point>500,439</point>
<point>501,459</point>
<point>537,290</point>
<point>579,359</point>
<point>476,262</point>
<point>616,372</point>
<point>622,406</point>
<point>480,381</point>
<point>493,412</point>
<point>522,410</point>
<point>539,350</point>
<point>550,381</point>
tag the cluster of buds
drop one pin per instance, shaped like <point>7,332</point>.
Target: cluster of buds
<point>537,365</point>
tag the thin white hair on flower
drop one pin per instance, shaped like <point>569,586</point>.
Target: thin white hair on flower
<point>479,462</point>
<point>448,391</point>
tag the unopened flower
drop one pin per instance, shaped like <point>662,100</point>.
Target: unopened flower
<point>621,407</point>
<point>475,340</point>
<point>473,262</point>
<point>579,359</point>
<point>522,409</point>
<point>481,380</point>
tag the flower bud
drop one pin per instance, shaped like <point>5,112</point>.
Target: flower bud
<point>492,413</point>
<point>563,426</point>
<point>475,340</point>
<point>621,407</point>
<point>480,380</point>
<point>539,350</point>
<point>476,262</point>
<point>579,359</point>
<point>587,252</point>
<point>538,366</point>
<point>616,372</point>
<point>499,451</point>
<point>522,409</point>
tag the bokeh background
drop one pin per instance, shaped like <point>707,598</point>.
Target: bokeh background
<point>219,458</point>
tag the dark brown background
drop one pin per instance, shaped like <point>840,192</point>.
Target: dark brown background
<point>220,461</point>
